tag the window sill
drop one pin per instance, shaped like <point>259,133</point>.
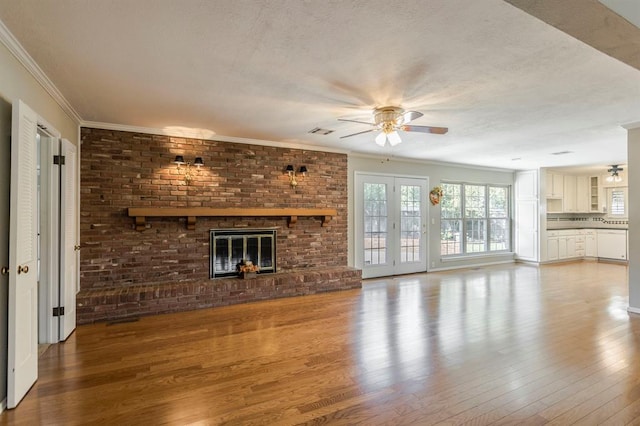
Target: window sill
<point>458,257</point>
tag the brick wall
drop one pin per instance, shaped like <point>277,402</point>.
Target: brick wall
<point>122,169</point>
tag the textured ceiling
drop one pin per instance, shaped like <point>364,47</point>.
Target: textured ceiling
<point>512,89</point>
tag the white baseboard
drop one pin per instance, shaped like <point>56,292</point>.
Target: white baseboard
<point>633,310</point>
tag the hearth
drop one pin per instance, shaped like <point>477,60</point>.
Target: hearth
<point>231,247</point>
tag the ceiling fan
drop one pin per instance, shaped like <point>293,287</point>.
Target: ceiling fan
<point>389,120</point>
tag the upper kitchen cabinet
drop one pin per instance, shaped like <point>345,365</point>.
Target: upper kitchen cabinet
<point>554,185</point>
<point>576,194</point>
<point>595,195</point>
<point>582,194</point>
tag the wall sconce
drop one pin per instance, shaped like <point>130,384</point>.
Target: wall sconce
<point>187,174</point>
<point>292,174</point>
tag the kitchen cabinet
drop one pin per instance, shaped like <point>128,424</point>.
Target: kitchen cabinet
<point>580,248</point>
<point>554,185</point>
<point>591,243</point>
<point>612,244</point>
<point>582,194</point>
<point>595,195</point>
<point>576,194</point>
<point>566,244</point>
<point>553,252</point>
<point>569,194</point>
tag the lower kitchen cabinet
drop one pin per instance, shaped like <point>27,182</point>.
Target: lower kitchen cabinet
<point>579,243</point>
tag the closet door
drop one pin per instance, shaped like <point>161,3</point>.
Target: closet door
<point>69,244</point>
<point>22,359</point>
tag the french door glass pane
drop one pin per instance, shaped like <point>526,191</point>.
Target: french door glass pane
<point>375,223</point>
<point>410,224</point>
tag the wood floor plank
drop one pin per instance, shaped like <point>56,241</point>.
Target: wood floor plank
<point>500,345</point>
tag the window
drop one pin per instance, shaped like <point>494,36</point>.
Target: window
<point>617,198</point>
<point>474,219</point>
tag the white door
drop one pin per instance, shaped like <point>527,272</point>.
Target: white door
<point>69,243</point>
<point>391,225</point>
<point>22,359</point>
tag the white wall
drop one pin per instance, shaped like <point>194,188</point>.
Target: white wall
<point>437,173</point>
<point>633,235</point>
<point>17,83</point>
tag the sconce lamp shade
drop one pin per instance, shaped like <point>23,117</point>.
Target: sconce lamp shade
<point>289,168</point>
<point>198,162</point>
<point>303,170</point>
<point>179,159</point>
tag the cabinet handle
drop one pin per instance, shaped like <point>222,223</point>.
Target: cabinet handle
<point>23,269</point>
<point>76,248</point>
<point>5,270</point>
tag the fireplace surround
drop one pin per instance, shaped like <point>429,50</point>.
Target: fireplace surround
<point>231,247</point>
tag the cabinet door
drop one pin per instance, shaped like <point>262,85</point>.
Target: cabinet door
<point>554,185</point>
<point>552,248</point>
<point>562,247</point>
<point>582,194</point>
<point>558,185</point>
<point>591,245</point>
<point>594,194</point>
<point>569,195</point>
<point>571,247</point>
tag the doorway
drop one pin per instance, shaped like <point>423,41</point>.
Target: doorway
<point>390,224</point>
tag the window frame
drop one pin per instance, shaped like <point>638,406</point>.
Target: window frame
<point>487,218</point>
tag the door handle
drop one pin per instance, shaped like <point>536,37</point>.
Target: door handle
<point>5,270</point>
<point>23,269</point>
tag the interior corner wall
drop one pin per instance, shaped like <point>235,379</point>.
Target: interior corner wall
<point>633,157</point>
<point>437,174</point>
<point>17,83</point>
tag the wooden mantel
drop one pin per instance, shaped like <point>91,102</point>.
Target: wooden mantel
<point>141,213</point>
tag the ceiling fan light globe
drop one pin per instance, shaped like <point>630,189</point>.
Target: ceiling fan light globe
<point>394,138</point>
<point>381,139</point>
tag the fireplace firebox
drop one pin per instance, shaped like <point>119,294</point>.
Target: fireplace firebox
<point>231,247</point>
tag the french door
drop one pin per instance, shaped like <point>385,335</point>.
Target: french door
<point>390,225</point>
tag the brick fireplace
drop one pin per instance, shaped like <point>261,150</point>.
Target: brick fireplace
<point>122,270</point>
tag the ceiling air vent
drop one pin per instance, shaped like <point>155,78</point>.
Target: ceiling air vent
<point>319,131</point>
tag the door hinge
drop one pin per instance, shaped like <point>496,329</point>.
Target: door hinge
<point>58,159</point>
<point>58,311</point>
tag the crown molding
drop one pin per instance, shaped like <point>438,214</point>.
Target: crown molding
<point>204,134</point>
<point>16,49</point>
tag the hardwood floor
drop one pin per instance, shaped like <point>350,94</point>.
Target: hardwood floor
<point>500,345</point>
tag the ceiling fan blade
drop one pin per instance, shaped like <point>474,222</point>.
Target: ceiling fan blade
<point>359,133</point>
<point>356,121</point>
<point>410,115</point>
<point>425,129</point>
